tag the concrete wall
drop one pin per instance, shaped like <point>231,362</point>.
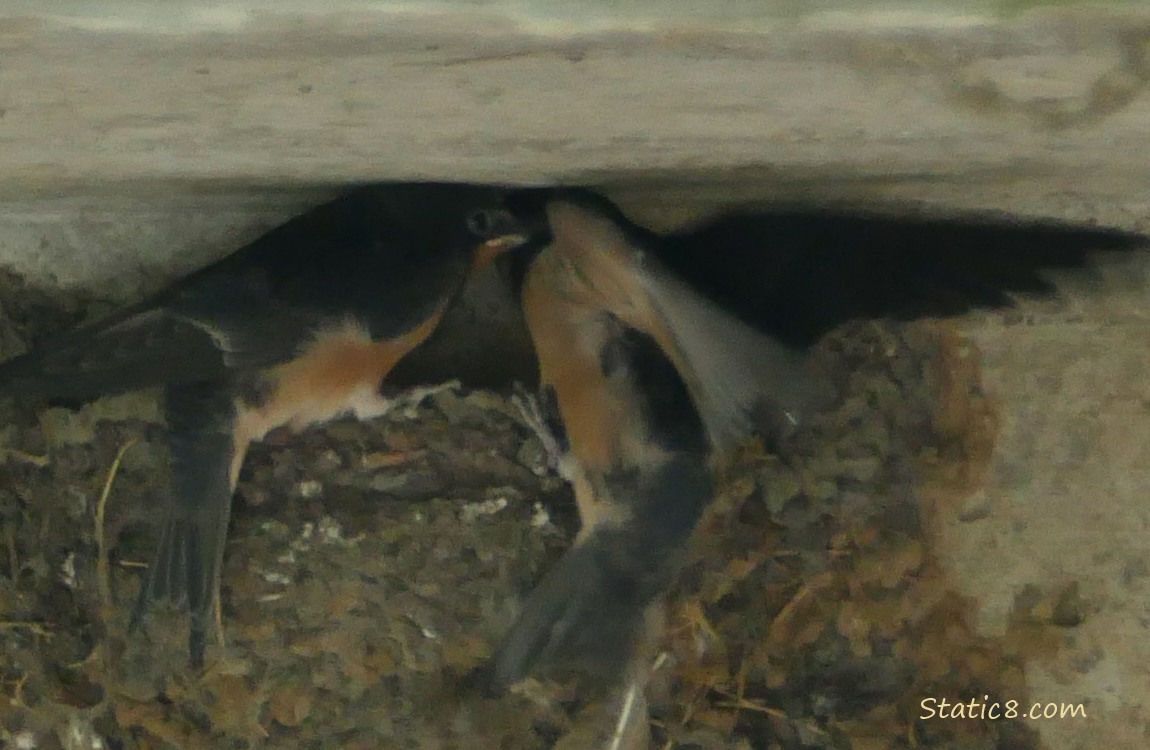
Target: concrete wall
<point>181,109</point>
<point>193,109</point>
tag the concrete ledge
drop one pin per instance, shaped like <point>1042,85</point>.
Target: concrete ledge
<point>226,117</point>
<point>526,92</point>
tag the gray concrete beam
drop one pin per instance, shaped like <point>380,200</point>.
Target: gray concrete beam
<point>270,93</point>
<point>186,114</point>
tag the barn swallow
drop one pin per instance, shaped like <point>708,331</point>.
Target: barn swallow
<point>298,327</point>
<point>740,380</point>
<point>633,447</point>
<point>738,302</point>
<point>796,273</point>
<point>647,382</point>
<point>644,383</point>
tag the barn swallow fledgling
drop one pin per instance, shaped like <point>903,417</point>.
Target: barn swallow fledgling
<point>296,328</point>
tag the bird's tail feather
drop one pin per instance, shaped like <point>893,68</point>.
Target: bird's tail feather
<point>185,571</point>
<point>590,613</point>
<point>742,381</point>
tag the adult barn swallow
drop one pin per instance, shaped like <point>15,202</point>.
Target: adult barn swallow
<point>739,379</point>
<point>798,273</point>
<point>637,455</point>
<point>644,384</point>
<point>296,328</point>
<point>737,302</point>
<point>647,383</point>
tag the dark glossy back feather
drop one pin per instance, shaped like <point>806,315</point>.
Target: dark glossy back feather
<point>799,273</point>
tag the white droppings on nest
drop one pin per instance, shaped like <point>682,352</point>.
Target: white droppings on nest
<point>275,577</point>
<point>540,518</point>
<point>471,511</point>
<point>68,571</point>
<point>309,488</point>
<point>329,460</point>
<point>24,740</point>
<point>330,531</point>
<point>275,527</point>
<point>81,735</point>
<point>325,531</point>
<point>302,543</point>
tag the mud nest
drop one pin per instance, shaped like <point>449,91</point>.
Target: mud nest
<point>370,566</point>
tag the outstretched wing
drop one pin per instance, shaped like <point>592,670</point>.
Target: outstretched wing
<point>797,274</point>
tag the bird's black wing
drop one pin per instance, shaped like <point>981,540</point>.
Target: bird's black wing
<point>255,308</point>
<point>800,273</point>
<point>199,332</point>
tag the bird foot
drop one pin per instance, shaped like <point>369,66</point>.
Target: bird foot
<point>531,414</point>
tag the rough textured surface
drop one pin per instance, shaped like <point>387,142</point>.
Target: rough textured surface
<point>1064,500</point>
<point>948,530</point>
<point>1048,546</point>
<point>141,140</point>
<point>372,566</point>
<point>876,97</point>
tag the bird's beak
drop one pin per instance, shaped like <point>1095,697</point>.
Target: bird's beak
<point>500,231</point>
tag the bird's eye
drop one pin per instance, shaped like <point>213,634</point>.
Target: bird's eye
<point>483,223</point>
